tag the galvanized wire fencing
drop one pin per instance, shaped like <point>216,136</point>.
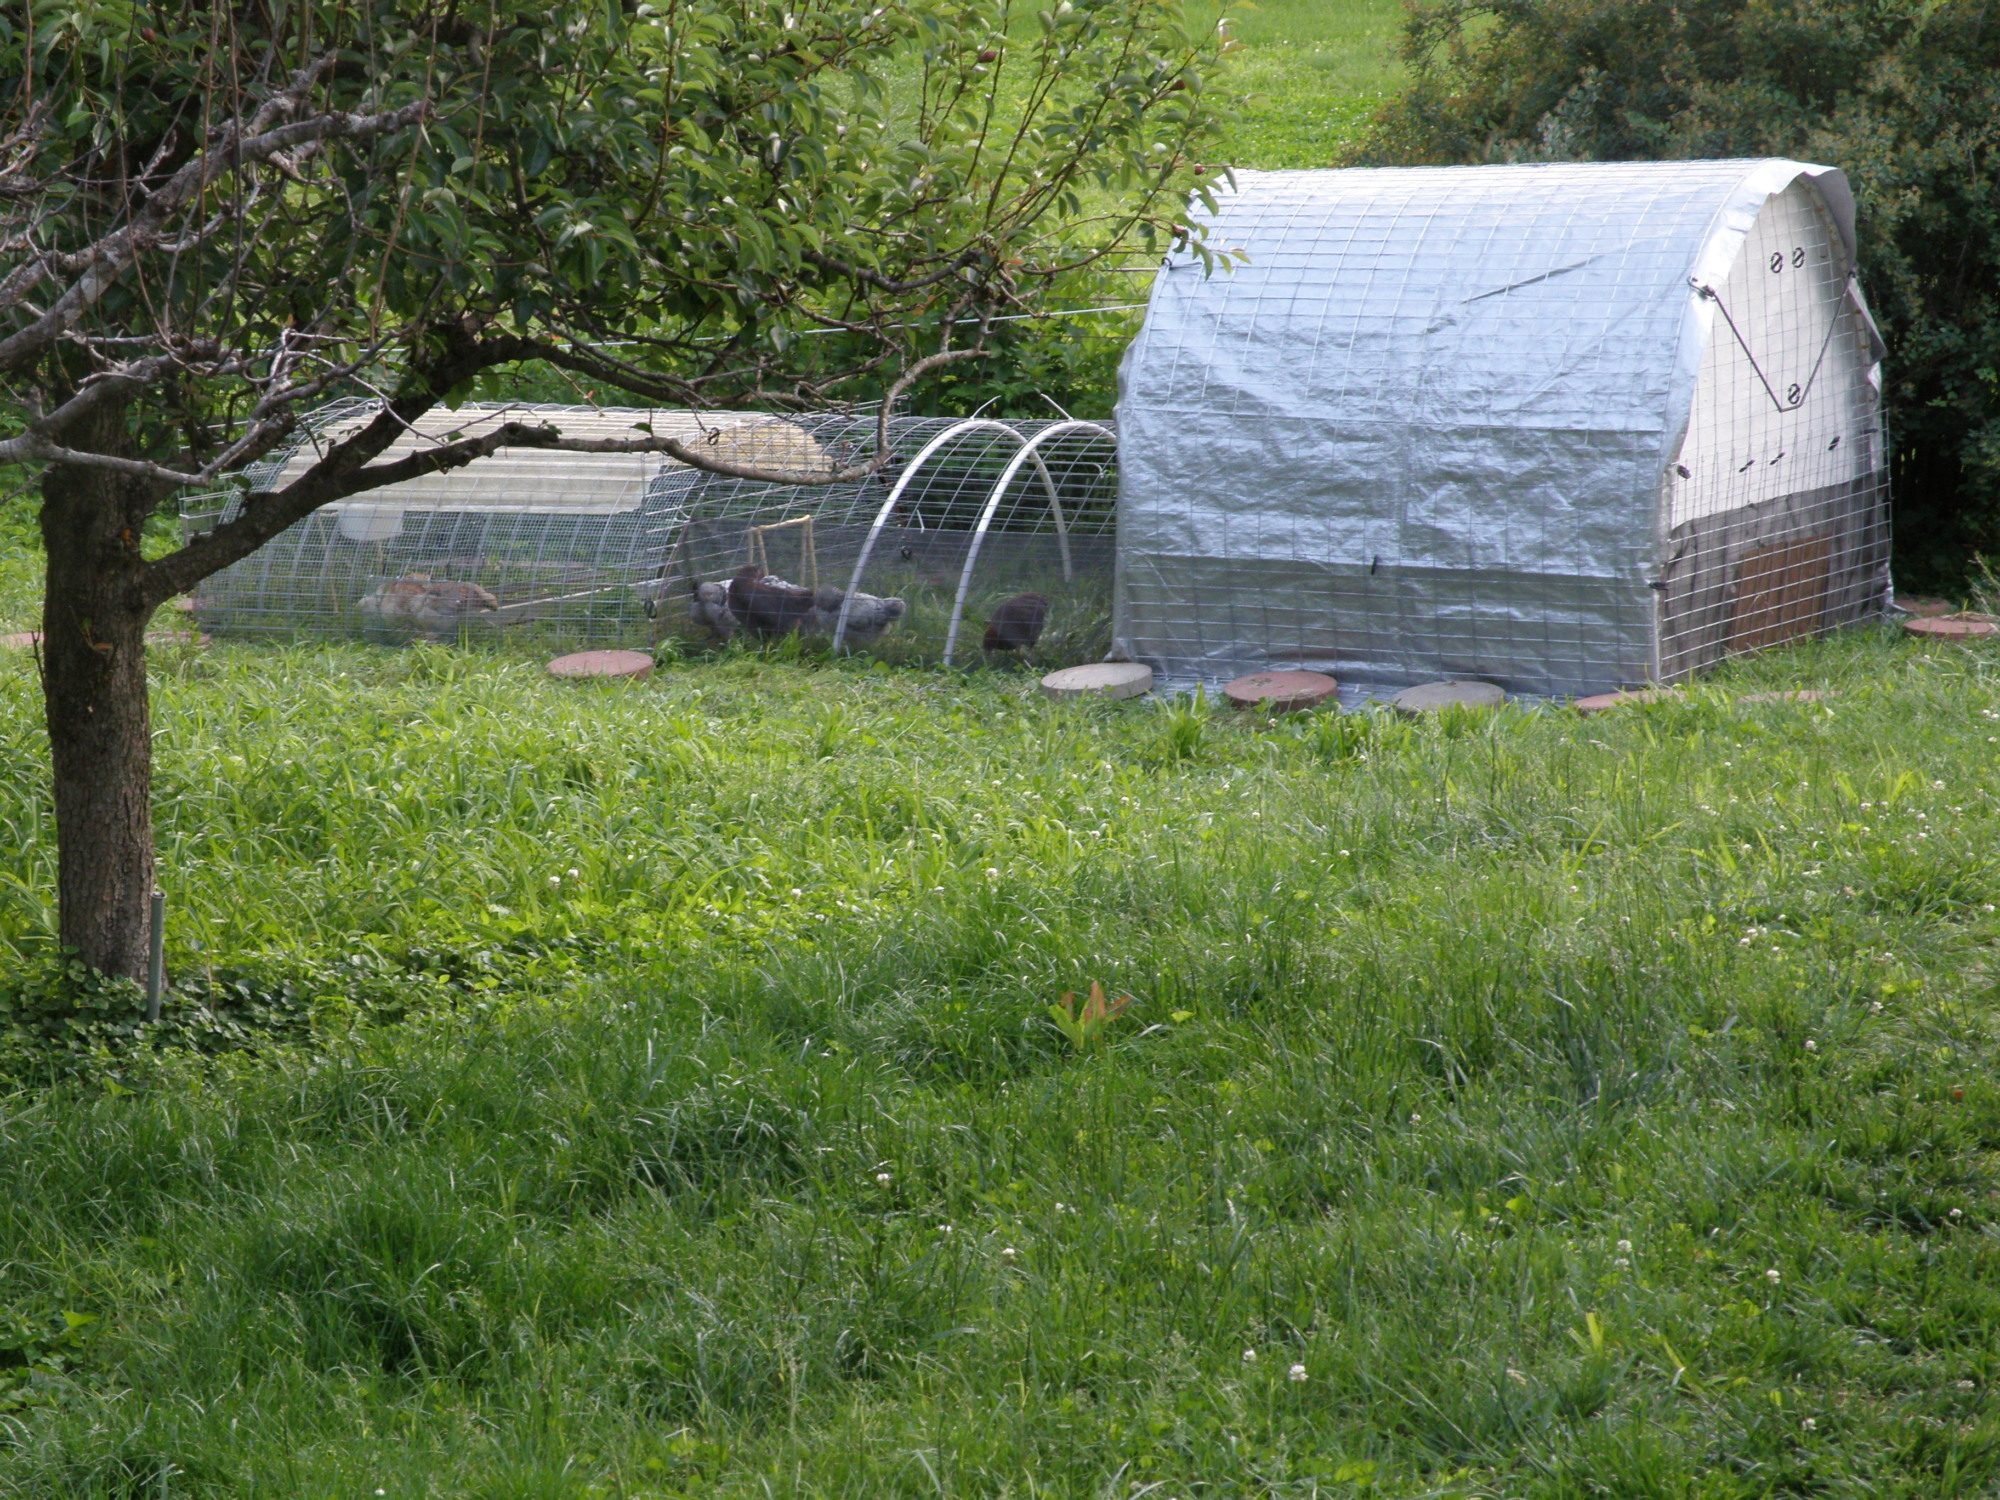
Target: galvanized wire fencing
<point>1497,422</point>
<point>911,562</point>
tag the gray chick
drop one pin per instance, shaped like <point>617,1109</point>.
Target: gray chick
<point>868,615</point>
<point>709,608</point>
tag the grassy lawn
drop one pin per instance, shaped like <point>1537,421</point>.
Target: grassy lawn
<point>652,1091</point>
<point>1587,1106</point>
<point>1312,71</point>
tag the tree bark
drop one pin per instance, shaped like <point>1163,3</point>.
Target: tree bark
<point>94,613</point>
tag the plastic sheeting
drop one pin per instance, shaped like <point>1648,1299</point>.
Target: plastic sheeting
<point>1426,426</point>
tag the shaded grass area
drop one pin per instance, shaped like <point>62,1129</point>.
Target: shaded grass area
<point>1587,1106</point>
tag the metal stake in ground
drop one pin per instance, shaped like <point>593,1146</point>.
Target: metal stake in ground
<point>156,962</point>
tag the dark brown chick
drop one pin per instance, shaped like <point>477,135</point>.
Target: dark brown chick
<point>1016,623</point>
<point>767,606</point>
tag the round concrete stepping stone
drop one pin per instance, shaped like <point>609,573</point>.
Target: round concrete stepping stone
<point>1966,627</point>
<point>1791,695</point>
<point>1283,691</point>
<point>1597,703</point>
<point>1109,679</point>
<point>1429,697</point>
<point>21,640</point>
<point>636,665</point>
<point>1926,608</point>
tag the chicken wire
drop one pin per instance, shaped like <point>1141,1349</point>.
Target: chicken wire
<point>1493,422</point>
<point>598,548</point>
<point>1775,511</point>
<point>911,562</point>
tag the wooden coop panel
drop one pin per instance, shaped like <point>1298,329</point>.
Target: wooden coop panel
<point>1780,593</point>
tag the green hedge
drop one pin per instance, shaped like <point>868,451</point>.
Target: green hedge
<point>1903,95</point>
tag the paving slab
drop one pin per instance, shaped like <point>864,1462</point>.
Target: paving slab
<point>1597,703</point>
<point>1924,607</point>
<point>1961,627</point>
<point>636,665</point>
<point>1429,697</point>
<point>1109,679</point>
<point>1283,692</point>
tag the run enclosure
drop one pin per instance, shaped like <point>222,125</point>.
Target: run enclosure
<point>589,548</point>
<point>1563,427</point>
<point>1567,428</point>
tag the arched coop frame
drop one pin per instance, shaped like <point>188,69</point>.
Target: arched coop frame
<point>1028,451</point>
<point>965,514</point>
<point>591,548</point>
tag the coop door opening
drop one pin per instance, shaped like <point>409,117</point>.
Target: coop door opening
<point>1779,593</point>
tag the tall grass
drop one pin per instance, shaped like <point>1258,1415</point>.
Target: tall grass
<point>1486,1068</point>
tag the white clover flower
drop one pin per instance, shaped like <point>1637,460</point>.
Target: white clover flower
<point>1958,1213</point>
<point>555,880</point>
<point>1621,1263</point>
<point>574,873</point>
<point>1249,1356</point>
<point>1009,1254</point>
<point>1624,1247</point>
<point>1772,1276</point>
<point>1811,1045</point>
<point>1415,1118</point>
<point>882,1179</point>
<point>1296,1373</point>
<point>1808,1425</point>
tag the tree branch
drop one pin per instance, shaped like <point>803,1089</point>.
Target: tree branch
<point>346,468</point>
<point>113,253</point>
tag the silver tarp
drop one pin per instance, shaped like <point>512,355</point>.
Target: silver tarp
<point>1432,420</point>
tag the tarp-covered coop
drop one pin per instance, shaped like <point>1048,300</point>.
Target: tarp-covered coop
<point>970,517</point>
<point>1564,427</point>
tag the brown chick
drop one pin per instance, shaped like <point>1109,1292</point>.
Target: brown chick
<point>1016,623</point>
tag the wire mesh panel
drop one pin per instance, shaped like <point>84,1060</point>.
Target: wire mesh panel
<point>1420,429</point>
<point>561,543</point>
<point>966,515</point>
<point>1003,539</point>
<point>909,563</point>
<point>1775,510</point>
<point>581,547</point>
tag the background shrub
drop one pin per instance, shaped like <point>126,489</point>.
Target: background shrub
<point>1903,95</point>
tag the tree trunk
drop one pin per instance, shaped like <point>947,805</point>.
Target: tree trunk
<point>94,615</point>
